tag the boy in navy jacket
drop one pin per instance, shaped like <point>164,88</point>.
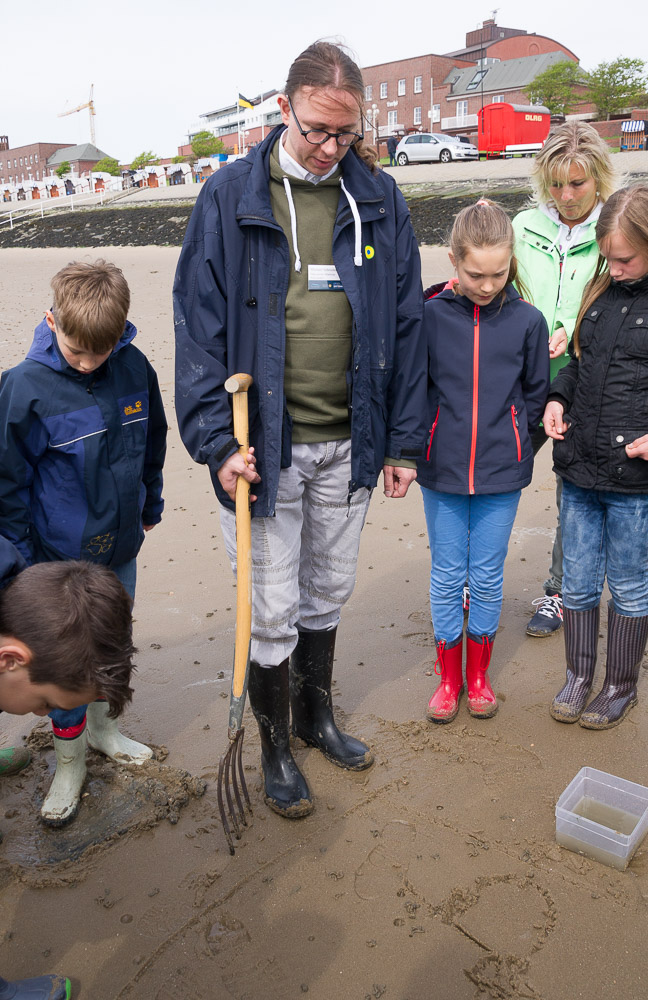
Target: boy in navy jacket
<point>82,445</point>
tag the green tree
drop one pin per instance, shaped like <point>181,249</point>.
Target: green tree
<point>617,85</point>
<point>108,166</point>
<point>178,159</point>
<point>556,87</point>
<point>144,159</point>
<point>63,168</point>
<point>206,144</point>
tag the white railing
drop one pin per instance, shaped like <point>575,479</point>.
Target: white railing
<point>47,204</point>
<point>460,121</point>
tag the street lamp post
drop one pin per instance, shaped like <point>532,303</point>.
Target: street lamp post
<point>374,118</point>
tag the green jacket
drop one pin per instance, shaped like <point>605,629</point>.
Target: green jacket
<point>558,296</point>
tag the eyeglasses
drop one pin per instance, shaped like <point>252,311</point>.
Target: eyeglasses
<point>319,136</point>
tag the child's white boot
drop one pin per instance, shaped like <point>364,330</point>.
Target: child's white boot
<point>62,801</point>
<point>104,736</point>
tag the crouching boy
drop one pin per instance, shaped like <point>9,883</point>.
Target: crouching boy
<point>65,639</point>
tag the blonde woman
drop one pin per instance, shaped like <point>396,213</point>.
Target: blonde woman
<point>556,249</point>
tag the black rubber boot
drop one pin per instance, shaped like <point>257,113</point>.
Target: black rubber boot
<point>40,988</point>
<point>311,672</point>
<point>581,645</point>
<point>285,787</point>
<point>626,643</point>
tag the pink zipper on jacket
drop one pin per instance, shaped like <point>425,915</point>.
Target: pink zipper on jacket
<point>432,430</point>
<point>475,402</point>
<point>516,432</point>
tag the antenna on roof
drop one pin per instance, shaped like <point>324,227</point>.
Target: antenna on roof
<point>494,13</point>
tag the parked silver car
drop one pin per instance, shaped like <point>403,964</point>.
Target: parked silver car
<point>426,147</point>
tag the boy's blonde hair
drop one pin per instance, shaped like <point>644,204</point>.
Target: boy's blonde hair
<point>91,303</point>
<point>484,225</point>
<point>625,212</point>
<point>574,143</point>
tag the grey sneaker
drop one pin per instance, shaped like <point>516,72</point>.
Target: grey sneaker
<point>548,617</point>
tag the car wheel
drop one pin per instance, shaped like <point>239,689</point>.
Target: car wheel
<point>445,156</point>
<point>402,160</point>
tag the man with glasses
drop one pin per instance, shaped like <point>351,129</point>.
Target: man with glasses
<point>300,267</point>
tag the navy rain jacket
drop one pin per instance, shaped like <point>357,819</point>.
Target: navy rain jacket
<point>229,298</point>
<point>489,378</point>
<point>81,456</point>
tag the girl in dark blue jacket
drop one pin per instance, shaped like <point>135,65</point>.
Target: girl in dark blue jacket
<point>489,378</point>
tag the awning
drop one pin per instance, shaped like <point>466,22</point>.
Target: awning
<point>633,126</point>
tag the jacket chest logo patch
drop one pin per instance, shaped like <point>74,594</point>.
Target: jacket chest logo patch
<point>369,252</point>
<point>131,410</point>
<point>100,544</point>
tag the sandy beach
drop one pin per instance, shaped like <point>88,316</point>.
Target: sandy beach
<point>435,874</point>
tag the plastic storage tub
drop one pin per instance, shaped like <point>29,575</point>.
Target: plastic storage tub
<point>602,816</point>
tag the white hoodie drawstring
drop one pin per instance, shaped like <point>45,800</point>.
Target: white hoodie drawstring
<point>357,259</point>
<point>293,223</point>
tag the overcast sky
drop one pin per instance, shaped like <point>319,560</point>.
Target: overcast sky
<point>157,66</point>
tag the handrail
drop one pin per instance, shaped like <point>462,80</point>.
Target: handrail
<point>48,204</point>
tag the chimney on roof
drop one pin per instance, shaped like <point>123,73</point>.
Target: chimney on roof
<point>4,143</point>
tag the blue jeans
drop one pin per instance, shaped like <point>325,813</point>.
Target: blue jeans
<point>66,719</point>
<point>469,538</point>
<point>605,533</point>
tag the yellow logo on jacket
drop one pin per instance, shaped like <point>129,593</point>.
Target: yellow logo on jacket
<point>129,411</point>
<point>369,252</point>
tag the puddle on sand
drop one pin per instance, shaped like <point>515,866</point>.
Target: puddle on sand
<point>115,801</point>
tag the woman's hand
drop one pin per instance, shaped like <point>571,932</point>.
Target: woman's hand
<point>236,466</point>
<point>638,448</point>
<point>552,420</point>
<point>558,342</point>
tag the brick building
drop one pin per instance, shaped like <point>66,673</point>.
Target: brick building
<point>25,163</point>
<point>81,158</point>
<point>443,93</point>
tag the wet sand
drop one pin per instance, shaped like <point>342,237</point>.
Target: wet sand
<point>434,874</point>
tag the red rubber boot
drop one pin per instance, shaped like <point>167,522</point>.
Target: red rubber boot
<point>444,703</point>
<point>482,703</point>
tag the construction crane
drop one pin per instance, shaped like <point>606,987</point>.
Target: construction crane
<point>91,111</point>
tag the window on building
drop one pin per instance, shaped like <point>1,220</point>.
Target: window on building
<point>462,109</point>
<point>31,158</point>
<point>436,112</point>
<point>401,88</point>
<point>418,84</point>
<point>21,161</point>
<point>383,90</point>
<point>498,99</point>
<point>477,79</point>
<point>417,116</point>
<point>392,120</point>
<point>369,93</point>
<point>35,157</point>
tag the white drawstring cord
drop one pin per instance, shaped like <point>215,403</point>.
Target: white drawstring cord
<point>293,223</point>
<point>357,260</point>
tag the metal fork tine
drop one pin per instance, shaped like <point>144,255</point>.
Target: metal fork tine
<point>238,778</point>
<point>221,805</point>
<point>228,790</point>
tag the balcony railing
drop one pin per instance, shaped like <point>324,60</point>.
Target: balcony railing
<point>460,121</point>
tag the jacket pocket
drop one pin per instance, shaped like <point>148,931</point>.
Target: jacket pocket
<point>624,471</point>
<point>563,451</point>
<point>432,430</point>
<point>286,439</point>
<point>516,431</point>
